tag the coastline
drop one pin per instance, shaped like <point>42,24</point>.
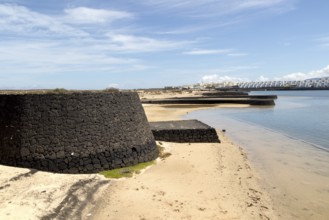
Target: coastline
<point>198,181</point>
<point>294,172</point>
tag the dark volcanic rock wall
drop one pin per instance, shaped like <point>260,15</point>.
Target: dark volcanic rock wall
<point>187,135</point>
<point>75,132</point>
<point>185,131</point>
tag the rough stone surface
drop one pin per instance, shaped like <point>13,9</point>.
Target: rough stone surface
<point>190,131</point>
<point>75,132</point>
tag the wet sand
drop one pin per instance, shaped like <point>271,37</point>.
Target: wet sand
<point>295,173</point>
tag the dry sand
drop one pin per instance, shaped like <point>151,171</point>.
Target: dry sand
<point>31,194</point>
<point>198,181</point>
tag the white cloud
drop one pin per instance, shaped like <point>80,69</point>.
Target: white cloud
<point>262,78</point>
<point>206,52</point>
<point>221,79</point>
<point>83,15</point>
<point>302,76</point>
<point>15,18</point>
<point>20,19</point>
<point>51,57</point>
<point>131,43</point>
<point>48,44</point>
<point>216,78</point>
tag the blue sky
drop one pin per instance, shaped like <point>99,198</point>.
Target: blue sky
<point>95,44</point>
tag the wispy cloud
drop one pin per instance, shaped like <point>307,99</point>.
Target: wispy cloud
<point>185,30</point>
<point>83,15</point>
<point>237,54</point>
<point>218,7</point>
<point>79,37</point>
<point>131,43</point>
<point>70,23</point>
<point>37,43</point>
<point>207,52</point>
<point>201,27</point>
<point>257,3</point>
<point>20,19</point>
<point>50,57</point>
<point>227,52</point>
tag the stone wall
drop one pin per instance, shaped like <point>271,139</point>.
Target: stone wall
<point>74,133</point>
<point>185,131</point>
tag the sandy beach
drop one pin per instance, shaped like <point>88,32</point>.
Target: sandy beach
<point>32,194</point>
<point>197,181</point>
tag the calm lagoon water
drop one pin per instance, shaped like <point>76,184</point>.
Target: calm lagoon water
<point>289,145</point>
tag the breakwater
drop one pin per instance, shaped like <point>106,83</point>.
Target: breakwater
<point>217,97</point>
<point>196,100</point>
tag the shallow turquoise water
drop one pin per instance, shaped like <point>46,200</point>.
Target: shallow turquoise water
<point>299,114</point>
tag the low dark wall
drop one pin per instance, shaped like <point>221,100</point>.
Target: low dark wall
<point>186,131</point>
<point>202,101</point>
<point>245,96</point>
<point>74,133</point>
<point>224,93</point>
<point>187,136</point>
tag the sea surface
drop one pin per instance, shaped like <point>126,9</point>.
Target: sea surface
<point>289,145</point>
